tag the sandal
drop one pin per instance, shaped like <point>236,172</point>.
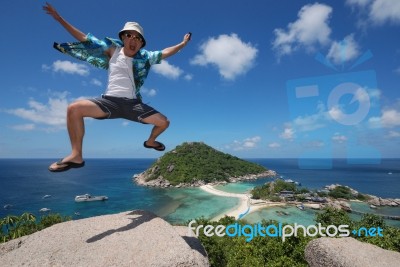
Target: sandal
<point>159,147</point>
<point>65,166</point>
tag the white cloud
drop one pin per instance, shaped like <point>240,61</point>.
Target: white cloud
<point>344,51</point>
<point>24,127</point>
<point>70,67</point>
<point>167,70</point>
<point>365,97</point>
<point>385,11</point>
<point>188,77</point>
<point>378,11</point>
<point>246,144</point>
<point>373,94</point>
<point>274,145</point>
<point>393,134</point>
<point>288,133</point>
<point>306,123</point>
<point>314,144</point>
<point>311,28</point>
<point>309,123</point>
<point>52,113</point>
<point>96,82</point>
<point>229,54</point>
<point>336,113</point>
<point>390,118</point>
<point>339,138</point>
<point>148,92</point>
<point>361,3</point>
<point>251,142</point>
<point>46,67</point>
<point>323,116</point>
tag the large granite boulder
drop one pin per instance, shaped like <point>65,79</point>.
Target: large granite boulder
<point>136,238</point>
<point>348,252</point>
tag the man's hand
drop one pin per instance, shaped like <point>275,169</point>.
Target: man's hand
<point>167,52</point>
<point>187,37</point>
<point>51,11</point>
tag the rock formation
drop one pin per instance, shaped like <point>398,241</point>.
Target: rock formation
<point>136,238</point>
<point>348,252</point>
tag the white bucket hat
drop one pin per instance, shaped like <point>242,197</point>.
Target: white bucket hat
<point>133,26</point>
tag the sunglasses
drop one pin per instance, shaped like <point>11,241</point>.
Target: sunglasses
<point>132,36</point>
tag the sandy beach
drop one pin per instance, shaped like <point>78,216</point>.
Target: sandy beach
<point>245,203</point>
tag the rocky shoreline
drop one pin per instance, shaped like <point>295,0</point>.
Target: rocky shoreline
<point>378,201</point>
<point>371,199</point>
<point>141,178</point>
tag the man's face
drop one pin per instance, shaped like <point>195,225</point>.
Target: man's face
<point>132,42</point>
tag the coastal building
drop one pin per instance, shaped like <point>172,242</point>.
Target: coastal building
<point>286,194</point>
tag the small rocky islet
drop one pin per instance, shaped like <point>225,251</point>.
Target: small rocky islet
<point>194,164</point>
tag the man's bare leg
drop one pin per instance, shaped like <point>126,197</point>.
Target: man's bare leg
<point>160,123</point>
<point>76,113</point>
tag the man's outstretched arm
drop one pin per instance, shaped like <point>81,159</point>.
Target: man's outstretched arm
<point>169,51</point>
<point>77,34</point>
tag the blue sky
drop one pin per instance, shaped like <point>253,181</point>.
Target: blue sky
<point>259,79</point>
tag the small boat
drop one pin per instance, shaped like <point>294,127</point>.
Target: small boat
<point>373,206</point>
<point>44,210</point>
<point>46,196</point>
<point>7,206</point>
<point>88,197</point>
<point>282,213</point>
<point>279,212</point>
<point>300,206</point>
<point>290,181</point>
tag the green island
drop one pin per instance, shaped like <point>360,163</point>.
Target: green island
<point>195,164</point>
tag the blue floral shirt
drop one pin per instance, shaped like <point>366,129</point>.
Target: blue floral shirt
<point>92,51</point>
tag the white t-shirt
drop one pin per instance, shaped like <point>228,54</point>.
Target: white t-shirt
<point>120,76</point>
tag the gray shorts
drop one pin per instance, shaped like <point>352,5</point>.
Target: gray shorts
<point>121,107</point>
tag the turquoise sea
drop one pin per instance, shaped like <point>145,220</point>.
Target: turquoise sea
<point>24,182</point>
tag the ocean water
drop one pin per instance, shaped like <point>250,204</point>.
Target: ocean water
<point>24,182</point>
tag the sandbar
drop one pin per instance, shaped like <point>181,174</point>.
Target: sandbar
<point>245,203</point>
